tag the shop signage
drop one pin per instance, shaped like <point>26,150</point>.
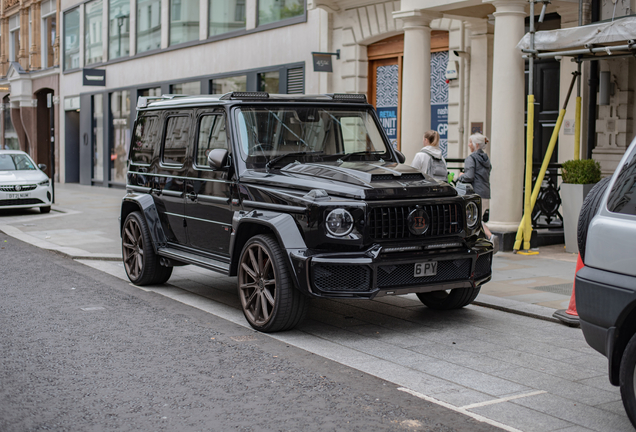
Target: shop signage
<point>323,62</point>
<point>439,123</point>
<point>94,77</point>
<point>388,119</point>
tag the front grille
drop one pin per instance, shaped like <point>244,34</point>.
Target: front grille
<point>341,278</point>
<point>12,202</point>
<point>483,266</point>
<point>390,223</point>
<point>402,275</point>
<point>23,188</point>
<point>405,177</point>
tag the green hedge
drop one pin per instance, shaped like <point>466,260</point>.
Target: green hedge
<point>581,171</point>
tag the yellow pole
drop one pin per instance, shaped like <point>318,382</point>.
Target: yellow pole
<point>546,159</point>
<point>577,129</point>
<point>525,228</point>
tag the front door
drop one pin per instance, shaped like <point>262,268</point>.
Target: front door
<point>208,210</point>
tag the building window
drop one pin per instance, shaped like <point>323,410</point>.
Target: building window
<point>270,11</point>
<point>71,39</point>
<point>10,135</point>
<point>120,113</point>
<point>150,92</point>
<point>148,25</point>
<point>98,137</point>
<point>269,82</point>
<point>14,37</point>
<point>93,16</point>
<point>118,28</point>
<point>184,21</point>
<point>49,28</point>
<point>229,84</point>
<point>188,88</point>
<point>226,16</point>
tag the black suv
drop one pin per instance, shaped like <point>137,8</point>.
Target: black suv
<point>300,197</point>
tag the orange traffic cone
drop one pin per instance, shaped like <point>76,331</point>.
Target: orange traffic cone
<point>570,316</point>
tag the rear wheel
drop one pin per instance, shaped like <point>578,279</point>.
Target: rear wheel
<point>627,380</point>
<point>269,300</point>
<point>588,211</point>
<point>450,299</point>
<point>140,261</point>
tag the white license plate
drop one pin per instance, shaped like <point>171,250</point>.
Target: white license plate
<point>19,195</point>
<point>425,269</point>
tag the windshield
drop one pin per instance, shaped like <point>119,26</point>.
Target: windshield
<point>16,162</point>
<point>310,133</point>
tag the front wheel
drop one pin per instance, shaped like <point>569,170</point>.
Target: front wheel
<point>46,209</point>
<point>627,380</point>
<point>450,299</point>
<point>269,300</point>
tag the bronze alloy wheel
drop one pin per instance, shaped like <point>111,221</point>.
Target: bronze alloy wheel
<point>257,284</point>
<point>133,248</point>
<point>268,296</point>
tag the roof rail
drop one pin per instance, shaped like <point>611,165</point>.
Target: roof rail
<point>244,95</point>
<point>143,101</point>
<point>348,97</point>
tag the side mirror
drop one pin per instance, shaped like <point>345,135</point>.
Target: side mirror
<point>400,156</point>
<point>217,158</point>
<point>42,167</point>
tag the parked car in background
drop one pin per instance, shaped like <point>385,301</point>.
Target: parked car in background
<point>605,287</point>
<point>300,197</point>
<point>23,184</point>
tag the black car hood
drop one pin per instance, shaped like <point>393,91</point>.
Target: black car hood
<point>373,180</point>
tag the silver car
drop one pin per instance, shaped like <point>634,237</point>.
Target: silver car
<point>606,286</point>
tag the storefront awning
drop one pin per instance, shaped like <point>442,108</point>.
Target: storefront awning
<point>607,38</point>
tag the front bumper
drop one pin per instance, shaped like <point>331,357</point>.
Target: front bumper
<point>40,196</point>
<point>372,273</point>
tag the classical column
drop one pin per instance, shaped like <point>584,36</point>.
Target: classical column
<point>56,43</point>
<point>507,134</point>
<point>23,52</point>
<point>34,52</point>
<point>4,42</point>
<point>480,91</point>
<point>416,82</point>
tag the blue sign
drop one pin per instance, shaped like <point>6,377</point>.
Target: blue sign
<point>439,123</point>
<point>388,119</point>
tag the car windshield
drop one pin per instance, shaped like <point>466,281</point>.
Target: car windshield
<point>308,134</point>
<point>16,162</point>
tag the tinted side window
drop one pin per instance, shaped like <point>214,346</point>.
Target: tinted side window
<point>622,198</point>
<point>144,139</point>
<point>175,145</point>
<point>211,136</point>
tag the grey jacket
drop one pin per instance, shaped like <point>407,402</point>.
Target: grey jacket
<point>477,172</point>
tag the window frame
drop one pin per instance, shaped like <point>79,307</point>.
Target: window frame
<point>65,15</point>
<point>281,23</point>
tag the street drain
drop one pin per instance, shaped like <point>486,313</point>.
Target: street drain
<point>92,308</point>
<point>565,288</point>
<point>247,338</point>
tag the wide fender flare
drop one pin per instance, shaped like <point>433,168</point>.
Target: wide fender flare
<point>145,204</point>
<point>282,225</point>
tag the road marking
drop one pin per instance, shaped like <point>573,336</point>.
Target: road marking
<point>500,400</point>
<point>460,410</point>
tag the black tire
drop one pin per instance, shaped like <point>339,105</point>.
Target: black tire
<point>46,209</point>
<point>588,211</point>
<point>445,300</point>
<point>140,260</point>
<point>269,300</point>
<point>627,380</point>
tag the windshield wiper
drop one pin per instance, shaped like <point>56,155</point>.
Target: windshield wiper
<point>348,155</point>
<point>272,161</point>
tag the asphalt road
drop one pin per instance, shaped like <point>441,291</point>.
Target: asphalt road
<point>82,350</point>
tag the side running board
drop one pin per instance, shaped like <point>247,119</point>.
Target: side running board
<point>190,258</point>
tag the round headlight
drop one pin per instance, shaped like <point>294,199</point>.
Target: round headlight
<point>472,214</point>
<point>339,222</point>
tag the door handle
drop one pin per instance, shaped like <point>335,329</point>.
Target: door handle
<point>192,196</point>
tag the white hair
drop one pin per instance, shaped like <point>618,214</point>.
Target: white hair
<point>479,140</point>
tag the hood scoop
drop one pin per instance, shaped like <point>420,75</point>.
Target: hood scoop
<point>403,177</point>
<point>360,173</point>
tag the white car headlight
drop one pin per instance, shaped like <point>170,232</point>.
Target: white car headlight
<point>45,183</point>
<point>472,215</point>
<point>339,222</point>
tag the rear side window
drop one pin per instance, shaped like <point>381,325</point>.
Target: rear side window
<point>622,198</point>
<point>211,136</point>
<point>144,139</point>
<point>175,145</point>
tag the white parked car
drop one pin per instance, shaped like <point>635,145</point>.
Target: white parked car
<point>23,184</point>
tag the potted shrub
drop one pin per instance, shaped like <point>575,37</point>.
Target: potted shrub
<point>579,176</point>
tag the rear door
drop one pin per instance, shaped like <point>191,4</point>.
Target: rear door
<point>208,209</point>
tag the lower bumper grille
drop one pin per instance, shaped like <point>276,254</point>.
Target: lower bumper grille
<point>483,266</point>
<point>13,202</point>
<point>342,278</point>
<point>402,275</point>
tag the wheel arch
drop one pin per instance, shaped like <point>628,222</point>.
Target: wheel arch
<point>146,205</point>
<point>626,326</point>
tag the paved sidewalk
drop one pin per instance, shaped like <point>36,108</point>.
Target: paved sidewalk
<point>84,224</point>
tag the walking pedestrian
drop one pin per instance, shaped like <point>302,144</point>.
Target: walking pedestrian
<point>430,160</point>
